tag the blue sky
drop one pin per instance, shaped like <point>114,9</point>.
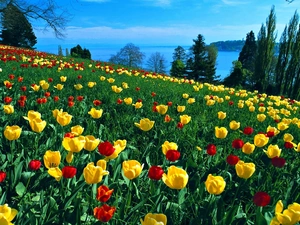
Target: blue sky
<point>165,22</point>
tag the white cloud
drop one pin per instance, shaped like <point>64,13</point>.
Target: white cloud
<point>234,3</point>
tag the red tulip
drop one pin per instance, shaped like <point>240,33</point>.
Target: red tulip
<point>104,213</point>
<point>211,149</point>
<point>97,102</point>
<point>278,162</point>
<point>155,172</point>
<point>104,193</point>
<point>106,148</point>
<point>261,198</point>
<point>7,100</point>
<point>237,143</point>
<point>248,130</point>
<point>34,164</point>
<point>232,159</point>
<point>69,171</point>
<point>172,155</point>
<point>288,145</point>
<point>2,176</point>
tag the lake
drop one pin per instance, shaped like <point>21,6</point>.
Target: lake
<point>104,52</point>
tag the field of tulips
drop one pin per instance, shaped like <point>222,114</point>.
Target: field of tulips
<point>86,142</point>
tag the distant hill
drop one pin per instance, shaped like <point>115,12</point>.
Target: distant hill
<point>229,46</point>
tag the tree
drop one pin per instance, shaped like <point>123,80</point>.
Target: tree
<point>130,56</point>
<point>203,60</point>
<point>46,11</point>
<point>78,52</point>
<point>60,51</point>
<point>248,53</point>
<point>16,30</point>
<point>67,52</point>
<point>237,76</point>
<point>157,63</point>
<point>265,53</point>
<point>177,69</point>
<point>179,54</point>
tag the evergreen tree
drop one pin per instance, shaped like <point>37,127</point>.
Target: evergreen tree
<point>179,54</point>
<point>237,76</point>
<point>211,59</point>
<point>16,30</point>
<point>78,52</point>
<point>177,69</point>
<point>248,53</point>
<point>265,53</point>
<point>86,54</point>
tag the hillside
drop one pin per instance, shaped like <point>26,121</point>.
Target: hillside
<point>231,46</point>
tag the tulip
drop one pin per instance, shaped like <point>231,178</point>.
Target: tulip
<point>128,101</point>
<point>180,108</point>
<point>37,125</point>
<point>34,164</point>
<point>176,178</point>
<point>94,174</point>
<point>154,219</point>
<point>185,95</point>
<point>166,146</point>
<point>111,80</point>
<point>35,87</point>
<point>221,132</point>
<point>31,115</point>
<point>7,214</point>
<point>125,85</point>
<point>288,137</point>
<point>63,78</point>
<point>261,117</point>
<point>8,109</point>
<point>138,105</point>
<point>248,148</point>
<point>77,130</point>
<point>119,146</point>
<point>234,125</point>
<point>2,176</point>
<point>289,216</point>
<point>145,124</point>
<point>162,109</point>
<point>59,87</point>
<point>75,144</point>
<point>132,169</point>
<point>248,130</point>
<point>185,119</point>
<point>78,86</point>
<point>56,173</point>
<point>215,184</point>
<point>191,101</point>
<point>273,151</point>
<point>96,114</point>
<point>244,170</point>
<point>102,78</point>
<point>282,126</point>
<point>104,213</point>
<point>297,147</point>
<point>211,149</point>
<point>232,159</point>
<point>69,171</point>
<point>237,143</point>
<point>221,115</point>
<point>260,140</point>
<point>106,148</point>
<point>155,172</point>
<point>273,129</point>
<point>104,193</point>
<point>45,86</point>
<point>52,159</point>
<point>261,198</point>
<point>278,162</point>
<point>12,132</point>
<point>63,118</point>
<point>91,143</point>
<point>91,84</point>
<point>172,155</point>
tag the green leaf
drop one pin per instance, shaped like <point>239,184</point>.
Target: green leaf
<point>20,189</point>
<point>260,219</point>
<point>181,196</point>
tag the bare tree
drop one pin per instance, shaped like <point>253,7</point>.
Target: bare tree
<point>47,11</point>
<point>157,63</point>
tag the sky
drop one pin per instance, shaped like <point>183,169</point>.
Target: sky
<point>164,22</point>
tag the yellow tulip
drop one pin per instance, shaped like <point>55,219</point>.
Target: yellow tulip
<point>111,80</point>
<point>45,86</point>
<point>261,109</point>
<point>36,87</point>
<point>244,170</point>
<point>221,115</point>
<point>102,78</point>
<point>37,125</point>
<point>96,114</point>
<point>260,140</point>
<point>221,132</point>
<point>180,108</point>
<point>162,109</point>
<point>289,216</point>
<point>116,89</point>
<point>234,125</point>
<point>91,84</point>
<point>273,151</point>
<point>52,159</point>
<point>55,112</point>
<point>210,102</point>
<point>31,115</point>
<point>94,174</point>
<point>42,82</point>
<point>119,146</point>
<point>8,109</point>
<point>59,87</point>
<point>74,144</point>
<point>63,78</point>
<point>166,146</point>
<point>78,86</point>
<point>56,173</point>
<point>77,130</point>
<point>282,126</point>
<point>251,108</point>
<point>215,184</point>
<point>154,219</point>
<point>91,143</point>
<point>128,101</point>
<point>7,214</point>
<point>191,100</point>
<point>145,124</point>
<point>261,117</point>
<point>125,85</point>
<point>185,119</point>
<point>248,148</point>
<point>63,118</point>
<point>176,178</point>
<point>297,147</point>
<point>132,169</point>
<point>12,132</point>
<point>273,129</point>
<point>69,157</point>
<point>138,105</point>
<point>185,95</point>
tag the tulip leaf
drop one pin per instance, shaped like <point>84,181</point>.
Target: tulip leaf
<point>181,196</point>
<point>20,189</point>
<point>260,219</point>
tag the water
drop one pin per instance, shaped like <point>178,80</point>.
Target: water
<point>104,52</point>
